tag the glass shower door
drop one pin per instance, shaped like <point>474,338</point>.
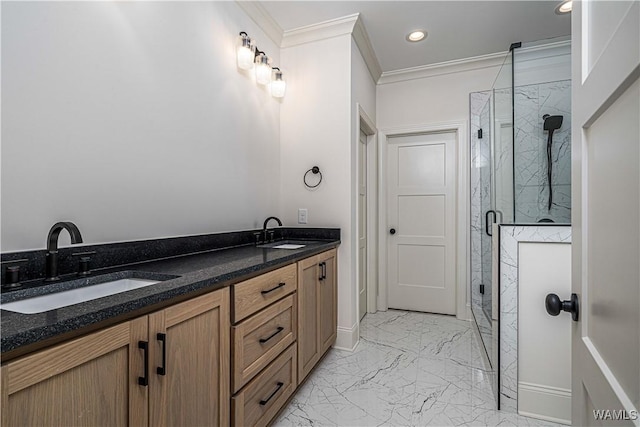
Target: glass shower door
<point>483,306</point>
<point>491,201</point>
<point>482,214</point>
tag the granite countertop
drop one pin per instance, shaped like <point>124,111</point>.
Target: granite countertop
<point>196,274</point>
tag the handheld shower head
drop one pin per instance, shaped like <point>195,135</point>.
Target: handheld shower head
<point>552,123</point>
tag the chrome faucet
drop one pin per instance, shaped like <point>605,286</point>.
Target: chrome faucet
<point>264,227</point>
<point>51,274</point>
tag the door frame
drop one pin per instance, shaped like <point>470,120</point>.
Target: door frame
<point>367,125</point>
<point>463,214</point>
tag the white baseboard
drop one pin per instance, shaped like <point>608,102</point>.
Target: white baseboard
<point>347,338</point>
<point>544,402</point>
<point>466,314</point>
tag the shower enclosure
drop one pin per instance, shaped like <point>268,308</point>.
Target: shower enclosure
<point>491,200</point>
<point>520,171</point>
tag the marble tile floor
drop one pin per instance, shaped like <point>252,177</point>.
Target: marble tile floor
<point>409,369</point>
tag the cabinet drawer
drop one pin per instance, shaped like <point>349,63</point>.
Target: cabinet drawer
<point>254,294</point>
<point>263,397</point>
<point>260,338</point>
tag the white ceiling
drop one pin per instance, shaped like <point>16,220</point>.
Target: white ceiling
<point>457,29</point>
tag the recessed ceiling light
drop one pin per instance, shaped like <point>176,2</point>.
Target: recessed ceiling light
<point>416,36</point>
<point>564,7</point>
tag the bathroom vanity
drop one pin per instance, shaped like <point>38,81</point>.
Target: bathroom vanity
<point>227,343</point>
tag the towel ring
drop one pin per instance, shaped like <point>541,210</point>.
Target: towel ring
<point>315,170</point>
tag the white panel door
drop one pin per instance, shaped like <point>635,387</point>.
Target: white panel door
<point>421,189</point>
<point>606,212</point>
<point>362,223</point>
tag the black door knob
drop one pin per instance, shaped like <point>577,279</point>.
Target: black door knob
<point>554,305</point>
<point>392,231</point>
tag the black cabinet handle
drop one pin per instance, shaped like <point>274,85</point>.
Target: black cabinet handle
<point>265,401</point>
<point>264,340</point>
<point>321,266</point>
<point>144,381</point>
<point>486,221</point>
<point>162,370</point>
<point>324,270</point>
<point>392,231</point>
<point>281,284</point>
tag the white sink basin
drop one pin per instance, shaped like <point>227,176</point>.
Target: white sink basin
<point>52,301</point>
<point>288,246</point>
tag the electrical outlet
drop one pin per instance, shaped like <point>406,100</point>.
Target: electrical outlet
<point>302,216</point>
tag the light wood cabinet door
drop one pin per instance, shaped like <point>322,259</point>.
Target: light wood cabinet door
<point>258,402</point>
<point>317,309</point>
<point>193,389</point>
<point>260,339</point>
<point>327,291</point>
<point>92,380</point>
<point>308,316</point>
<point>253,295</point>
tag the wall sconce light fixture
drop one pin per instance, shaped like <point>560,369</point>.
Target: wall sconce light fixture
<point>245,52</point>
<point>248,55</point>
<point>278,85</point>
<point>263,69</point>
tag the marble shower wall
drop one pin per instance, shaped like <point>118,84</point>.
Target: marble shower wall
<point>531,102</point>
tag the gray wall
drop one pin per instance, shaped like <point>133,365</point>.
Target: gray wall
<point>132,120</point>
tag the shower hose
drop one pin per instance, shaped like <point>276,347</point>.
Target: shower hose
<point>549,168</point>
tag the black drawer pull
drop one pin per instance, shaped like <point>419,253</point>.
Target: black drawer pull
<point>144,381</point>
<point>264,340</point>
<point>264,402</point>
<point>162,370</point>
<point>281,284</point>
<point>321,266</point>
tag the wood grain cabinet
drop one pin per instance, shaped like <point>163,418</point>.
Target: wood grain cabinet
<point>253,295</point>
<point>186,365</point>
<point>317,309</point>
<point>259,402</point>
<point>263,343</point>
<point>168,368</point>
<point>189,377</point>
<point>259,340</point>
<point>91,380</point>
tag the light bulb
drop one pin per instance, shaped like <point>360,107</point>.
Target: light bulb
<point>564,7</point>
<point>245,52</point>
<point>416,36</point>
<point>263,69</point>
<point>278,85</point>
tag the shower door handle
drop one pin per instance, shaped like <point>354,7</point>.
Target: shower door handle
<point>486,221</point>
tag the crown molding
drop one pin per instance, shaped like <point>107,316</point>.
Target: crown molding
<point>544,51</point>
<point>350,24</point>
<point>263,19</point>
<point>547,50</point>
<point>320,31</point>
<point>361,37</point>
<point>447,67</point>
